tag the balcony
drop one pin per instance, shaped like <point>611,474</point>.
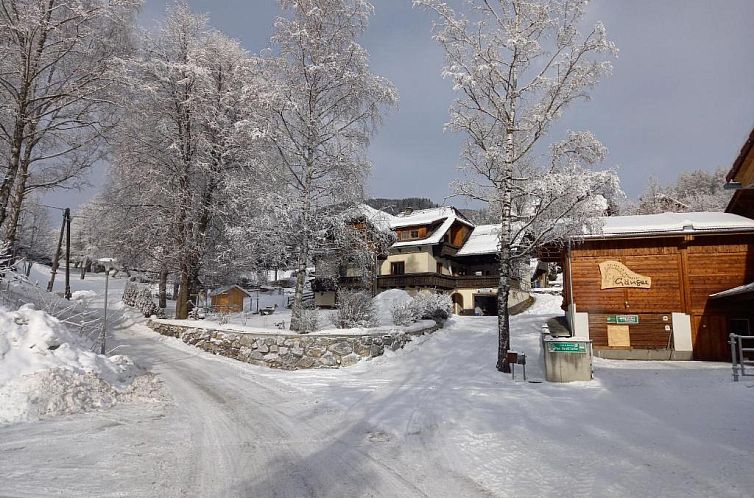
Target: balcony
<point>437,281</point>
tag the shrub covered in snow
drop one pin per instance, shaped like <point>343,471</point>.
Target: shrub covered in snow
<point>431,306</point>
<point>309,321</point>
<point>405,314</point>
<point>141,299</point>
<point>355,309</point>
<point>45,370</point>
<point>425,306</point>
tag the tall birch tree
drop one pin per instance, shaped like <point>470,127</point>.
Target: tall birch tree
<point>516,66</point>
<point>324,106</point>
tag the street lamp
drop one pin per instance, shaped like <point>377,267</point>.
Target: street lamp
<point>108,263</point>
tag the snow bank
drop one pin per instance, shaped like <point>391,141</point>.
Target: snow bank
<point>45,370</point>
<point>83,296</point>
<point>386,300</point>
<point>545,304</point>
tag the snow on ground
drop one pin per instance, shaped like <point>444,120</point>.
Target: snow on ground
<point>45,370</point>
<point>433,419</point>
<point>639,428</point>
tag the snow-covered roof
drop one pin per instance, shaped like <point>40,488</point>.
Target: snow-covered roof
<point>483,240</point>
<point>673,223</point>
<point>223,290</point>
<point>380,219</point>
<point>735,291</point>
<point>447,215</point>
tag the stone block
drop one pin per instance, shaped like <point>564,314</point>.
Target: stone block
<point>263,348</point>
<point>341,348</point>
<point>305,362</point>
<point>315,352</point>
<point>348,360</point>
<point>329,360</point>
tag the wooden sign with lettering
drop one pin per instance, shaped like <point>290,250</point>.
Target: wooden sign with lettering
<point>616,275</point>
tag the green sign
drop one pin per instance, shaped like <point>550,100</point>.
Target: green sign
<point>628,319</point>
<point>566,347</point>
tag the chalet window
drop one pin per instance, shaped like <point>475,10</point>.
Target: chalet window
<point>439,268</point>
<point>398,268</point>
<point>408,234</point>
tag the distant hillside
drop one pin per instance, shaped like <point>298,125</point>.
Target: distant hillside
<point>395,206</point>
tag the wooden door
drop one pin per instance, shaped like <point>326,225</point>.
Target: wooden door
<point>709,335</point>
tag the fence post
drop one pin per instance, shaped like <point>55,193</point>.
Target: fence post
<point>733,356</point>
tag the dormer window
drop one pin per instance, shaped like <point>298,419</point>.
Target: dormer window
<point>408,234</point>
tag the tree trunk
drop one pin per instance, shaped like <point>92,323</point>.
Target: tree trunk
<point>504,286</point>
<point>163,289</point>
<point>181,302</point>
<point>303,258</point>
<point>503,317</point>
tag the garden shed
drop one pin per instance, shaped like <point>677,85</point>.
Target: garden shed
<point>228,299</point>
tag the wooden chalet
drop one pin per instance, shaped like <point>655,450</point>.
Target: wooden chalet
<point>664,286</point>
<point>436,250</point>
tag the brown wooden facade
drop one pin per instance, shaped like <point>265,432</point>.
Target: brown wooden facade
<point>685,270</point>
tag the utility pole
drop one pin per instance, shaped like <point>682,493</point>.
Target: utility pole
<point>67,216</point>
<point>56,259</point>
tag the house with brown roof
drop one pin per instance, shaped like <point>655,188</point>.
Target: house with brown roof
<point>741,178</point>
<point>436,250</point>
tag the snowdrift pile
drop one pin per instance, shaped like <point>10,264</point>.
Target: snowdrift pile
<point>385,301</point>
<point>45,371</point>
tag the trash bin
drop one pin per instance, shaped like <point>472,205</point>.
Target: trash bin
<point>567,359</point>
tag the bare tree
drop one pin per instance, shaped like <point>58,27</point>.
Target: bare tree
<point>324,107</point>
<point>517,65</point>
<point>55,82</point>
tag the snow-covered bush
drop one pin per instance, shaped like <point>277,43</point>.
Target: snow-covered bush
<point>141,299</point>
<point>355,309</point>
<point>309,320</point>
<point>431,306</point>
<point>405,314</point>
<point>424,306</point>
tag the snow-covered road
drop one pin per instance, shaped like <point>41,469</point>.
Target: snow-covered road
<point>434,419</point>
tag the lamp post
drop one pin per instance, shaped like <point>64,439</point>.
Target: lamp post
<point>108,264</point>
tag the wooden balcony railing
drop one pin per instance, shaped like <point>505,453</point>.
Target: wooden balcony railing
<point>437,281</point>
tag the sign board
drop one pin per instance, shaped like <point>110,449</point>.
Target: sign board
<point>566,347</point>
<point>616,275</point>
<point>618,336</point>
<point>623,319</point>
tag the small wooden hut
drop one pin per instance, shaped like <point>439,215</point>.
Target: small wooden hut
<point>228,299</point>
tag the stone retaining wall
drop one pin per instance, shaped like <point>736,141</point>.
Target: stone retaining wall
<point>291,352</point>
